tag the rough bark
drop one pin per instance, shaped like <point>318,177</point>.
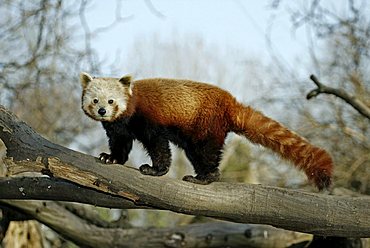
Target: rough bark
<point>45,188</point>
<point>215,234</point>
<point>289,209</point>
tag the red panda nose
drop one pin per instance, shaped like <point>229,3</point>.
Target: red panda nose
<point>102,111</point>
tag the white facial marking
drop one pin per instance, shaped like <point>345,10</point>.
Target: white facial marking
<point>110,98</point>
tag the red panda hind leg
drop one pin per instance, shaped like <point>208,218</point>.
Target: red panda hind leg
<point>160,154</point>
<point>205,156</point>
<point>203,179</point>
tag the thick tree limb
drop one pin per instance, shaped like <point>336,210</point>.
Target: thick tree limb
<point>45,188</point>
<point>350,99</point>
<point>215,234</point>
<point>289,209</point>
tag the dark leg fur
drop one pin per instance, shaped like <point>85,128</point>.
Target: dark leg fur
<point>120,147</point>
<point>120,142</point>
<point>160,154</point>
<point>205,158</point>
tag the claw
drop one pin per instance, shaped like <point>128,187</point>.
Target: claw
<point>107,158</point>
<point>103,156</point>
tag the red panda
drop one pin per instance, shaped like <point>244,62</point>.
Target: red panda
<point>194,116</point>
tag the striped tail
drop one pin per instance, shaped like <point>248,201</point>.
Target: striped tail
<point>314,161</point>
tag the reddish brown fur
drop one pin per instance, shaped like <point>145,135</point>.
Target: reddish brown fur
<point>204,111</point>
<point>314,161</point>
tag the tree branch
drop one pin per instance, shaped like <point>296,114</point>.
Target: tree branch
<point>289,209</point>
<point>350,99</point>
<point>45,188</point>
<point>215,234</point>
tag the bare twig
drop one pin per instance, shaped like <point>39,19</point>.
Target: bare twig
<point>153,9</point>
<point>350,99</point>
<point>118,19</point>
<point>88,34</point>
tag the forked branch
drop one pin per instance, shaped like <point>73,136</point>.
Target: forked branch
<point>360,106</point>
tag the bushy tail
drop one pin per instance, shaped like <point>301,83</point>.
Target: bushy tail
<point>314,161</point>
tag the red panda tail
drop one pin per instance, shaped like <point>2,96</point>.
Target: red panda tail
<point>314,161</point>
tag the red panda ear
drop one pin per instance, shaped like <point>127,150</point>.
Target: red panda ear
<point>85,79</point>
<point>126,80</point>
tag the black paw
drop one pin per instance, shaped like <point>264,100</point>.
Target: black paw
<point>203,179</point>
<point>107,158</point>
<point>146,169</point>
<point>192,179</point>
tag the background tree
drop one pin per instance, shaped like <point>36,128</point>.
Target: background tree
<point>339,53</point>
<point>39,64</point>
<point>38,67</point>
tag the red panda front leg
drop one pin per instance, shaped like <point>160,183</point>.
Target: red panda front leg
<point>120,147</point>
<point>159,151</point>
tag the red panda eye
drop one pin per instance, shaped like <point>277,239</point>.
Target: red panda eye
<point>95,100</point>
<point>110,101</point>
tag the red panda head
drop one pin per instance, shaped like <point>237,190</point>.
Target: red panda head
<point>105,99</point>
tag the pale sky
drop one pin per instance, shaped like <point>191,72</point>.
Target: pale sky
<point>239,24</point>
